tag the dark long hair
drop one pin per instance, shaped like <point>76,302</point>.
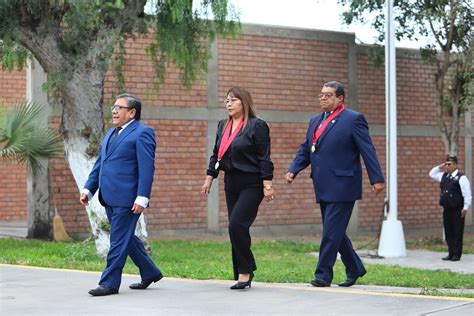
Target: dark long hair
<point>247,103</point>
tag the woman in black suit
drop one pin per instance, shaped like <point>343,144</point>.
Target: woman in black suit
<point>242,151</point>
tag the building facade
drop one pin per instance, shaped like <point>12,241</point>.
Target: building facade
<point>284,69</point>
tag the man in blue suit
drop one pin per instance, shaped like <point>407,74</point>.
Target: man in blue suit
<point>123,175</point>
<point>335,140</point>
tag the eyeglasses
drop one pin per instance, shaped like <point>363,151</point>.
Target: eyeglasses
<point>325,95</point>
<point>118,107</point>
<point>448,163</point>
<point>231,100</point>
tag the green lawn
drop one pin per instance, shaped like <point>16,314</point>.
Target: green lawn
<point>278,261</point>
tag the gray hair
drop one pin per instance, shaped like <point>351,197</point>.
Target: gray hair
<point>133,102</point>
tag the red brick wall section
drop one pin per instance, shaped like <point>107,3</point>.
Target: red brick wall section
<point>371,90</point>
<point>13,192</point>
<point>416,94</point>
<point>176,202</point>
<point>12,176</point>
<point>64,195</point>
<point>12,86</point>
<point>280,73</point>
<point>139,76</point>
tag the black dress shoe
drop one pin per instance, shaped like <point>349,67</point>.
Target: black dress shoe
<point>242,285</point>
<point>145,283</point>
<point>447,258</point>
<point>320,283</point>
<point>103,290</point>
<point>455,258</point>
<point>351,281</point>
<point>348,282</point>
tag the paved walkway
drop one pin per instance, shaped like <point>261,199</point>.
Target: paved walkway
<point>427,260</point>
<point>40,291</point>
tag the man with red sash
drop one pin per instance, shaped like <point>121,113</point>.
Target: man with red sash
<point>335,140</point>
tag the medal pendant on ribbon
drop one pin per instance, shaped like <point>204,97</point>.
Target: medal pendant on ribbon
<point>313,148</point>
<point>217,165</point>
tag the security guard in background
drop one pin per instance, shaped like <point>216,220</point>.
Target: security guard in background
<point>455,198</point>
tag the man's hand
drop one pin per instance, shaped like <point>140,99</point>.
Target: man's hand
<point>378,187</point>
<point>463,213</point>
<point>84,199</point>
<point>442,167</point>
<point>290,177</point>
<point>137,209</point>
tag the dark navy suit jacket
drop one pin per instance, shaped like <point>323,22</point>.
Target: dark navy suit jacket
<point>124,170</point>
<point>335,165</point>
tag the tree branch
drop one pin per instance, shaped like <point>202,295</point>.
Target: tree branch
<point>44,49</point>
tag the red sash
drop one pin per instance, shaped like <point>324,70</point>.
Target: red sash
<point>227,140</point>
<point>318,131</point>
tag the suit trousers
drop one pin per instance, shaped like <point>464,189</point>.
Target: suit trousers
<point>453,231</point>
<point>336,216</point>
<point>244,193</point>
<point>123,242</point>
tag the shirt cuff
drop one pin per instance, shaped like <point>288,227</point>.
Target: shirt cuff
<point>142,201</point>
<point>89,194</point>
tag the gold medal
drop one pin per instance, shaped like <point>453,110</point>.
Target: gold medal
<point>217,165</point>
<point>313,148</point>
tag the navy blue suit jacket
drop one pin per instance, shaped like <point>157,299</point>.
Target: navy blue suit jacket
<point>126,169</point>
<point>335,165</point>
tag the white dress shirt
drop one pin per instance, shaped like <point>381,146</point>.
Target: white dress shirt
<point>436,173</point>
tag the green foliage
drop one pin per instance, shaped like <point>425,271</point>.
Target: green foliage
<point>376,54</point>
<point>448,26</point>
<point>94,140</point>
<point>12,55</point>
<point>25,136</point>
<point>104,225</point>
<point>67,35</point>
<point>180,34</point>
<point>416,19</point>
<point>118,63</point>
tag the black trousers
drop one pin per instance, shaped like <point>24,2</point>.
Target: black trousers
<point>453,231</point>
<point>244,193</point>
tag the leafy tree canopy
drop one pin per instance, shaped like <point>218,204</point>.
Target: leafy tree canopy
<point>75,27</point>
<point>448,27</point>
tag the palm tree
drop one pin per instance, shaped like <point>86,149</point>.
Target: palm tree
<point>25,136</point>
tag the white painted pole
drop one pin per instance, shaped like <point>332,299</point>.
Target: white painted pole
<point>391,104</point>
<point>392,240</point>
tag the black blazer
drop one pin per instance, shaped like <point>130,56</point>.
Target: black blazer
<point>249,152</point>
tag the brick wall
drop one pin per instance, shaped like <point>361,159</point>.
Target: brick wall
<point>12,176</point>
<point>12,86</point>
<point>140,78</point>
<point>284,74</point>
<point>281,73</point>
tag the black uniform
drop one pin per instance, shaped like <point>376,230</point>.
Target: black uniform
<point>452,201</point>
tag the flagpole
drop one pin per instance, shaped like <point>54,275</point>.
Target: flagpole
<point>392,240</point>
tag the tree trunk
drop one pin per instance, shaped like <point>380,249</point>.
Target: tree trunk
<point>83,126</point>
<point>80,95</point>
<point>39,216</point>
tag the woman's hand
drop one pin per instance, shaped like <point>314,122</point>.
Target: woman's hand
<point>268,191</point>
<point>206,187</point>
